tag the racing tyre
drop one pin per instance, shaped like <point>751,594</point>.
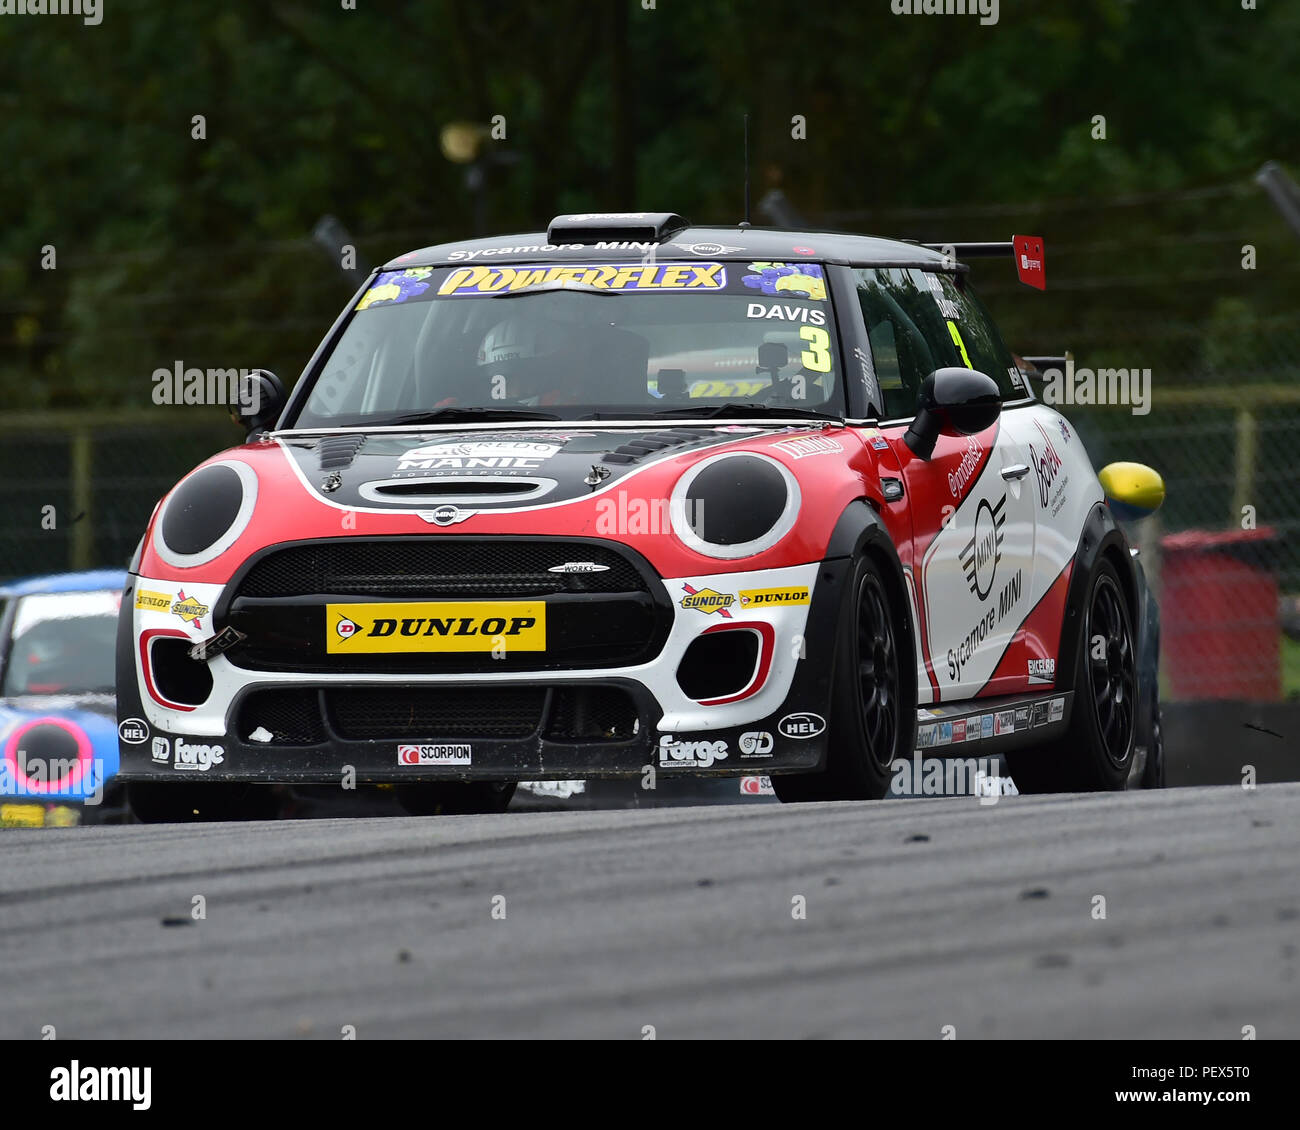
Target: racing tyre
<point>153,803</point>
<point>1153,776</point>
<point>1097,753</point>
<point>454,798</point>
<point>873,718</point>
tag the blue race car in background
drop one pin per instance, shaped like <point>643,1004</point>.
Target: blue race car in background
<point>58,724</point>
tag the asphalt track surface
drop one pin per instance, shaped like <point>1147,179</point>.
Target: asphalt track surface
<point>920,914</point>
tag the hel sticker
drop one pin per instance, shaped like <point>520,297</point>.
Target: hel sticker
<point>708,601</point>
<point>153,601</point>
<point>436,627</point>
<point>614,277</point>
<point>760,597</point>
<point>1031,264</point>
<point>776,279</point>
<point>434,754</point>
<point>396,286</point>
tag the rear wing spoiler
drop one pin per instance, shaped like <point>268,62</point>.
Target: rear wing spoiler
<point>1027,250</point>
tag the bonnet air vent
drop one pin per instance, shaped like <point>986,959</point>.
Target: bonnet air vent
<point>337,452</point>
<point>615,227</point>
<point>635,450</point>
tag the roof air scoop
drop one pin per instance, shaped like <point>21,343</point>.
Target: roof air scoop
<point>615,227</point>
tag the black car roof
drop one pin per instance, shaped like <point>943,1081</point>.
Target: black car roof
<point>763,244</point>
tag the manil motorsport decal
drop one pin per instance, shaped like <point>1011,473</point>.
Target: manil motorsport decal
<point>487,454</point>
<point>436,626</point>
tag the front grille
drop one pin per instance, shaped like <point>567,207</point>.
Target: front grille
<point>446,566</point>
<point>607,618</point>
<point>367,713</point>
<point>300,716</point>
<point>291,716</point>
<point>591,714</point>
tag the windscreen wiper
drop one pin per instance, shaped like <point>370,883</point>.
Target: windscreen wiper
<point>714,411</point>
<point>558,284</point>
<point>454,414</point>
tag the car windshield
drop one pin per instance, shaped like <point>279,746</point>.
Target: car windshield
<point>63,643</point>
<point>553,341</point>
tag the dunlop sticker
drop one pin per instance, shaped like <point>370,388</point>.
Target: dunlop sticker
<point>435,626</point>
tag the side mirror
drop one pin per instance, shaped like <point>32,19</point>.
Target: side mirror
<point>261,400</point>
<point>953,402</point>
<point>1133,490</point>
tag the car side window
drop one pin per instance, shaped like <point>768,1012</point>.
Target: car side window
<point>977,338</point>
<point>918,321</point>
<point>903,358</point>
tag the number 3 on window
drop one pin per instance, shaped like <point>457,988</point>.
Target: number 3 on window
<point>816,358</point>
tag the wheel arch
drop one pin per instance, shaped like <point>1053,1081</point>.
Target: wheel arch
<point>860,531</point>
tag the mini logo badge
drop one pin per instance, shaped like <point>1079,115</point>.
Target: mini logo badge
<point>801,726</point>
<point>133,731</point>
<point>980,556</point>
<point>445,515</point>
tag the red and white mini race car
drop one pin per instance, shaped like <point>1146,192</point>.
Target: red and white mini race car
<point>632,494</point>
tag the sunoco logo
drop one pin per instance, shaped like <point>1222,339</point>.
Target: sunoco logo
<point>708,601</point>
<point>980,557</point>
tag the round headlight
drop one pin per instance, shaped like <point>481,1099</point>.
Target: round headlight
<point>734,505</point>
<point>205,514</point>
